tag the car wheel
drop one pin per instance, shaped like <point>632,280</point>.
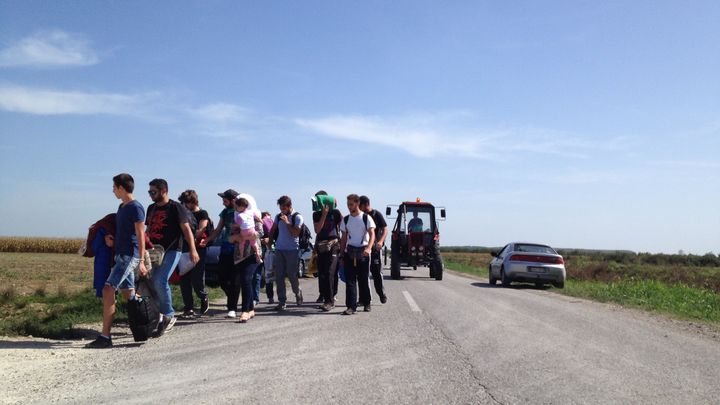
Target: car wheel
<point>559,284</point>
<point>539,285</point>
<point>492,279</point>
<point>504,279</point>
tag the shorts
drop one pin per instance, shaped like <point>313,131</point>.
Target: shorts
<point>122,275</point>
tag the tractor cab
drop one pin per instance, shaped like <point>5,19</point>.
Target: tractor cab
<point>416,237</point>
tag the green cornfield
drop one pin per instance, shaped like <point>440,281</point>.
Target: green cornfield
<point>39,245</point>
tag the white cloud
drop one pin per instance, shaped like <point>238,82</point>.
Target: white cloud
<point>221,113</point>
<point>55,102</point>
<point>47,49</point>
<point>406,134</point>
<point>451,134</point>
<point>222,120</point>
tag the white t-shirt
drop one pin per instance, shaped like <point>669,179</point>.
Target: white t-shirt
<point>246,219</point>
<point>358,235</point>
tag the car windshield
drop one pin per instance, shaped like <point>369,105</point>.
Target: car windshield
<point>534,249</point>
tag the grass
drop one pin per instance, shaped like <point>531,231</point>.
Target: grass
<point>48,295</point>
<point>662,289</point>
<point>677,300</point>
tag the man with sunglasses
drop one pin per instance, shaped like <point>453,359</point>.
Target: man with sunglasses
<point>167,223</point>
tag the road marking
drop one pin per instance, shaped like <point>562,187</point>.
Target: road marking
<point>414,306</point>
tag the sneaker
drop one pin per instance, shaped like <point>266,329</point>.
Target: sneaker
<point>280,307</point>
<point>349,311</point>
<point>327,307</point>
<point>204,306</point>
<point>188,314</point>
<point>271,300</point>
<point>383,299</point>
<point>367,308</point>
<point>165,326</point>
<point>320,300</point>
<point>231,314</point>
<point>100,343</point>
<point>299,298</point>
<point>255,303</point>
<point>170,324</point>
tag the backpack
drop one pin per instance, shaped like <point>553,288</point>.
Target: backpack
<point>143,316</point>
<point>365,217</point>
<point>304,237</point>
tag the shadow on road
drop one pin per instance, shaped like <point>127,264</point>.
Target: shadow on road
<point>25,344</point>
<point>512,286</point>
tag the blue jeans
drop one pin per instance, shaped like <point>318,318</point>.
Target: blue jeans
<point>257,278</point>
<point>160,278</point>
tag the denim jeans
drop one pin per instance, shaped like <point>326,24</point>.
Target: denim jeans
<point>256,281</point>
<point>160,278</point>
<point>194,280</point>
<point>122,275</point>
<point>242,283</point>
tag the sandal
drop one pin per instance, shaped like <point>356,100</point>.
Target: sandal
<point>244,317</point>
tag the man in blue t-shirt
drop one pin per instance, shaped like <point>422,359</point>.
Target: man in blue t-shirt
<point>129,249</point>
<point>286,232</point>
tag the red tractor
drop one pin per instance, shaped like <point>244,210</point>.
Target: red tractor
<point>416,238</point>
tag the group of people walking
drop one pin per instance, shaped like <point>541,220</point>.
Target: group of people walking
<point>246,237</point>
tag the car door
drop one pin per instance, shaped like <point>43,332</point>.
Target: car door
<point>497,262</point>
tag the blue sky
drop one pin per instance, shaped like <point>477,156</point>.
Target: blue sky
<point>578,124</point>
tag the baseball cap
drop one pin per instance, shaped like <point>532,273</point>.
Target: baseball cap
<point>229,194</point>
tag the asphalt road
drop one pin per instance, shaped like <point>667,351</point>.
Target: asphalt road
<point>434,342</point>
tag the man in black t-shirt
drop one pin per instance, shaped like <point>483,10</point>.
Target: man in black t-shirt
<point>381,232</point>
<point>167,226</point>
<point>327,223</point>
<point>195,278</point>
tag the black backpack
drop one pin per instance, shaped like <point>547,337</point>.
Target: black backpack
<point>143,316</point>
<point>304,237</point>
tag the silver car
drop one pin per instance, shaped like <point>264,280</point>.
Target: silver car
<point>528,262</point>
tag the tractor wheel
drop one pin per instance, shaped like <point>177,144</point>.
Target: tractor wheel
<point>395,267</point>
<point>438,271</point>
<point>491,279</point>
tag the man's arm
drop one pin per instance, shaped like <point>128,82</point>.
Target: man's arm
<point>201,228</point>
<point>371,242</point>
<point>194,257</point>
<point>343,241</point>
<point>140,233</point>
<point>319,225</point>
<point>381,241</point>
<point>220,226</point>
<point>294,230</point>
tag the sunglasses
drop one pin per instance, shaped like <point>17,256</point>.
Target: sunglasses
<point>152,193</point>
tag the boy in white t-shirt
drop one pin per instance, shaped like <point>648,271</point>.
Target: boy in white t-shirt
<point>358,237</point>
